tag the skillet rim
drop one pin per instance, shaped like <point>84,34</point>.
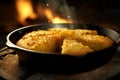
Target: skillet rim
<point>14,46</point>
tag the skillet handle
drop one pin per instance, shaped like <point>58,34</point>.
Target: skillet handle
<point>10,45</point>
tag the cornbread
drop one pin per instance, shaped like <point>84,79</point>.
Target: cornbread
<point>65,41</point>
<point>77,33</point>
<point>43,41</point>
<point>73,47</point>
<point>96,42</point>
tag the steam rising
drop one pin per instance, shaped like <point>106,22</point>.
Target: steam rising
<point>58,8</point>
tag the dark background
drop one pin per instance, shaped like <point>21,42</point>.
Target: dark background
<point>100,12</point>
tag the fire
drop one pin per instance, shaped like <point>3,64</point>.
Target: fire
<point>55,19</point>
<point>25,10</point>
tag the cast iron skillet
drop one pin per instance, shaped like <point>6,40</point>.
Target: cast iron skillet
<point>62,64</point>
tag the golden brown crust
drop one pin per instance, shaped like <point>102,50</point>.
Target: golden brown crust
<point>43,41</point>
<point>68,41</point>
<point>96,42</point>
<point>75,48</point>
<point>77,33</point>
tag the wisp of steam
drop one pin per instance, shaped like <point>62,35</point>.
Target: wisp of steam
<point>60,8</point>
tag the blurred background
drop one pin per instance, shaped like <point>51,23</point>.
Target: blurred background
<point>19,13</point>
<point>100,12</point>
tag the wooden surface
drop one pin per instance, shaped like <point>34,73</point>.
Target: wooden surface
<point>10,69</point>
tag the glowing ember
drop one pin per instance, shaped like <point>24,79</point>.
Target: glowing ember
<point>24,8</point>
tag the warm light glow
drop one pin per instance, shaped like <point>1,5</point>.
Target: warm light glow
<point>55,19</point>
<point>48,14</point>
<point>47,5</point>
<point>25,10</point>
<point>59,20</point>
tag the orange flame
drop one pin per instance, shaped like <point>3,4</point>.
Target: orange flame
<point>25,10</point>
<point>55,19</point>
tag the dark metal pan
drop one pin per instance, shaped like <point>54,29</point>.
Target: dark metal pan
<point>58,63</point>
